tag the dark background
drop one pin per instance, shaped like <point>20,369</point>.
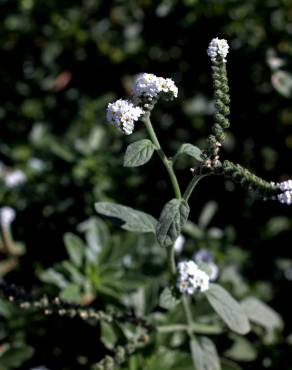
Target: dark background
<point>61,62</point>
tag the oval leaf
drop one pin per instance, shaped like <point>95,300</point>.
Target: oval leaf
<point>261,314</point>
<point>75,248</point>
<point>133,220</point>
<point>167,299</point>
<point>173,216</point>
<point>205,354</point>
<point>191,150</point>
<point>138,153</point>
<point>230,311</point>
<point>241,350</point>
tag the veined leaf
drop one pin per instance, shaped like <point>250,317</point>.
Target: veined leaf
<point>173,216</point>
<point>75,248</point>
<point>191,150</point>
<point>167,300</point>
<point>230,311</point>
<point>261,314</point>
<point>205,354</point>
<point>138,153</point>
<point>133,220</point>
<point>241,350</point>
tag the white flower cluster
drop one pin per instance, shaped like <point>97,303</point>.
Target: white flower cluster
<point>14,178</point>
<point>286,187</point>
<point>147,84</point>
<point>191,278</point>
<point>179,243</point>
<point>7,215</point>
<point>203,256</point>
<point>285,197</point>
<point>122,114</point>
<point>218,47</point>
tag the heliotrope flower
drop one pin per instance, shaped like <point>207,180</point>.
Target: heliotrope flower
<point>285,196</point>
<point>179,243</point>
<point>205,258</point>
<point>218,47</point>
<point>191,278</point>
<point>14,178</point>
<point>149,85</point>
<point>7,215</point>
<point>123,114</point>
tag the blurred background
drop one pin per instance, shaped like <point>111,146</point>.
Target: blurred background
<point>61,63</point>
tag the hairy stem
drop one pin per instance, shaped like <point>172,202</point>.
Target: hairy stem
<point>171,258</point>
<point>193,183</point>
<point>164,159</point>
<point>187,309</point>
<point>196,327</point>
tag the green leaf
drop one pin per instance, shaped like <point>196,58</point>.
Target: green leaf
<point>138,153</point>
<point>133,220</point>
<point>75,248</point>
<point>108,335</point>
<point>229,365</point>
<point>71,293</point>
<point>54,277</point>
<point>173,216</point>
<point>14,357</point>
<point>167,299</point>
<point>261,314</point>
<point>241,350</point>
<point>230,311</point>
<point>207,214</point>
<point>96,235</point>
<point>6,308</point>
<point>205,354</point>
<point>191,150</point>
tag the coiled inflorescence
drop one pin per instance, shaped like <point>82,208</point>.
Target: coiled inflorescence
<point>249,180</point>
<point>217,52</point>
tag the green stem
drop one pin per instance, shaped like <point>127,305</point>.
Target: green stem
<point>171,260</point>
<point>189,317</point>
<point>164,159</point>
<point>168,165</point>
<point>196,327</point>
<point>193,183</point>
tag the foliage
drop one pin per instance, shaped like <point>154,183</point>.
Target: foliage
<point>62,62</point>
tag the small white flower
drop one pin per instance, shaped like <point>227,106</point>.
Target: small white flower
<point>218,47</point>
<point>201,280</point>
<point>14,178</point>
<point>179,243</point>
<point>186,286</point>
<point>147,84</point>
<point>191,278</point>
<point>285,197</point>
<point>7,216</point>
<point>36,164</point>
<point>285,185</point>
<point>123,114</point>
<point>206,258</point>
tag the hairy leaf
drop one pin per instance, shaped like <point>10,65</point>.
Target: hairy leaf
<point>138,153</point>
<point>191,150</point>
<point>167,299</point>
<point>205,354</point>
<point>173,216</point>
<point>75,248</point>
<point>132,219</point>
<point>230,311</point>
<point>261,314</point>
